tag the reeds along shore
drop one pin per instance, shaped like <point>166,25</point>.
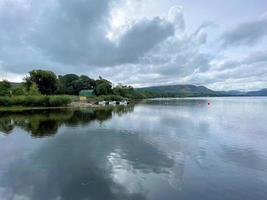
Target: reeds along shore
<point>35,101</point>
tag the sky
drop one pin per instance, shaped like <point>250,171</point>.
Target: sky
<point>221,44</point>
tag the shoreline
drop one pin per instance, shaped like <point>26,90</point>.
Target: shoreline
<point>75,104</point>
<point>72,105</point>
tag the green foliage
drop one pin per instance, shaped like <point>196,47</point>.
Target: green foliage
<point>127,92</point>
<point>66,83</point>
<point>55,101</point>
<point>45,80</point>
<point>40,82</point>
<point>5,87</point>
<point>103,87</point>
<point>112,98</point>
<point>34,91</point>
<point>18,91</point>
<point>86,82</point>
<point>72,84</point>
<point>35,101</point>
<point>5,84</point>
<point>130,93</point>
<point>124,91</point>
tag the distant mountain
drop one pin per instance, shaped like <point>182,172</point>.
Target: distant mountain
<point>232,93</point>
<point>180,90</point>
<point>192,90</point>
<point>262,92</point>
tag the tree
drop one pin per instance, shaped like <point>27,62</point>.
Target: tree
<point>66,83</point>
<point>46,81</point>
<point>73,84</point>
<point>103,87</point>
<point>18,91</point>
<point>87,83</point>
<point>33,91</point>
<point>124,91</point>
<point>5,88</point>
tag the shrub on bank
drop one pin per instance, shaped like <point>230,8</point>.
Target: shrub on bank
<point>35,101</point>
<point>4,101</point>
<point>112,98</point>
<point>55,101</point>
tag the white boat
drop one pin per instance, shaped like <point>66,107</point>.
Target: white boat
<point>102,103</point>
<point>123,103</point>
<point>112,103</point>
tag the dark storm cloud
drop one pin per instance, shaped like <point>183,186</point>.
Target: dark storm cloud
<point>142,37</point>
<point>72,33</point>
<point>247,33</point>
<point>78,36</point>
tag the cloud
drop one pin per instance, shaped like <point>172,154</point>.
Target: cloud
<point>74,33</point>
<point>16,19</point>
<point>142,37</point>
<point>248,33</point>
<point>248,73</point>
<point>176,17</point>
<point>122,41</point>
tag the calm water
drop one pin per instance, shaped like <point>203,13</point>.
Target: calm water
<point>156,150</point>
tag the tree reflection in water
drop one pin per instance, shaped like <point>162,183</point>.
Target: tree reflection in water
<point>40,123</point>
<point>83,166</point>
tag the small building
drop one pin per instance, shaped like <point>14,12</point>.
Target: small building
<point>86,93</point>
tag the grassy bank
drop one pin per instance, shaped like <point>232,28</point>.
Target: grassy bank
<point>35,101</point>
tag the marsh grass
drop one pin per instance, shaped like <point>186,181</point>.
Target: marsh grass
<point>34,101</point>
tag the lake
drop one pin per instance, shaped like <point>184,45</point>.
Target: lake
<point>198,148</point>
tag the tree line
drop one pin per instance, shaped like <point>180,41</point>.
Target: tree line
<point>43,82</point>
<point>48,83</point>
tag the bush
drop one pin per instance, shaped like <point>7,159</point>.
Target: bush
<point>18,91</point>
<point>59,101</point>
<point>42,101</point>
<point>34,91</point>
<point>4,101</point>
<point>35,101</point>
<point>5,87</point>
<point>112,98</point>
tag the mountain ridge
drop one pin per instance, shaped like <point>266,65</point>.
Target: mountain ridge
<point>194,90</point>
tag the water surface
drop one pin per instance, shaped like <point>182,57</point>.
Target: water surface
<point>158,149</point>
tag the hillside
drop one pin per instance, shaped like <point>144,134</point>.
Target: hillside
<point>232,93</point>
<point>180,90</point>
<point>262,92</point>
<point>192,90</point>
<point>14,84</point>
